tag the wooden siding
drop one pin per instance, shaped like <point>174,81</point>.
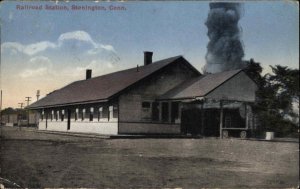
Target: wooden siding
<point>130,103</point>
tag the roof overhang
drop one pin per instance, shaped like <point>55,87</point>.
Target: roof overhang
<point>67,104</point>
<point>203,99</point>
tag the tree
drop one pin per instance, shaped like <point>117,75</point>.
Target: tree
<point>8,111</point>
<point>254,70</point>
<point>276,94</point>
<point>285,82</point>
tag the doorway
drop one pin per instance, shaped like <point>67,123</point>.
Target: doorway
<point>191,121</point>
<point>46,120</point>
<point>69,119</point>
<point>196,122</point>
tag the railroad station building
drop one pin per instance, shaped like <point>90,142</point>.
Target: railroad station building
<point>169,96</point>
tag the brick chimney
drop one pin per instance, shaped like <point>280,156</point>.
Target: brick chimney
<point>88,74</point>
<point>147,58</point>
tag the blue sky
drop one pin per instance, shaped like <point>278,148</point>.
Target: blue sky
<point>47,49</point>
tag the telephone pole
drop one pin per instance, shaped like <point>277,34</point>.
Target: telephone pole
<point>28,100</point>
<point>1,108</point>
<point>21,105</point>
<point>20,115</point>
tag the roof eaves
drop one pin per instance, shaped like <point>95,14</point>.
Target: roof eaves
<point>177,99</point>
<point>66,104</point>
<point>171,60</point>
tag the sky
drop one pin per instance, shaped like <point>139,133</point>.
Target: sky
<point>48,49</point>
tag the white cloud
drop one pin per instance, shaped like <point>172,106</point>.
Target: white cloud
<point>99,67</point>
<point>94,51</point>
<point>30,49</point>
<point>38,47</point>
<point>76,35</point>
<point>34,72</point>
<point>108,47</point>
<point>13,46</point>
<point>96,65</point>
<point>85,37</point>
<point>38,66</point>
<point>98,48</point>
<point>37,69</point>
<point>40,61</point>
<point>35,48</point>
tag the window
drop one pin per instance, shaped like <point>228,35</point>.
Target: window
<point>227,122</point>
<point>165,112</point>
<point>83,114</point>
<point>52,113</point>
<point>42,115</point>
<point>87,114</point>
<point>91,114</point>
<point>57,115</point>
<point>76,114</point>
<point>146,109</point>
<point>174,111</point>
<point>62,115</point>
<point>110,115</point>
<point>146,105</point>
<point>100,113</point>
<point>105,112</point>
<point>95,114</point>
<point>115,112</point>
<point>155,111</point>
<point>72,112</point>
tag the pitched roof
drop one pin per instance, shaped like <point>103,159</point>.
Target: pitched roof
<point>100,88</point>
<point>199,86</point>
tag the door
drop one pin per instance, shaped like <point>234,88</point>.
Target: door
<point>191,121</point>
<point>46,120</point>
<point>212,122</point>
<point>69,119</point>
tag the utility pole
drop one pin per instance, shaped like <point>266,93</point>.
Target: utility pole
<point>28,100</point>
<point>19,120</point>
<point>1,108</point>
<point>21,105</point>
<point>35,114</point>
<point>221,119</point>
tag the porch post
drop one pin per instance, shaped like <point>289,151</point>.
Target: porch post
<point>179,110</point>
<point>246,116</point>
<point>160,111</point>
<point>202,119</point>
<point>221,118</point>
<point>170,111</point>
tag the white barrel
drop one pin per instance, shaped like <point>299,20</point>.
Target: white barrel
<point>269,135</point>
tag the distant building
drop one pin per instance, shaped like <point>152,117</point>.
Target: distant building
<point>18,117</point>
<point>169,96</point>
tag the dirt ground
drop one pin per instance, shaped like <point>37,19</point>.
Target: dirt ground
<point>32,159</point>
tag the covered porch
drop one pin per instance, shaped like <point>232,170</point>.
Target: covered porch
<point>217,118</point>
<point>216,104</point>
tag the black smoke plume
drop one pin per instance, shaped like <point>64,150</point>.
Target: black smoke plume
<point>224,50</point>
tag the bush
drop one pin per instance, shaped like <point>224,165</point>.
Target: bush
<point>273,122</point>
